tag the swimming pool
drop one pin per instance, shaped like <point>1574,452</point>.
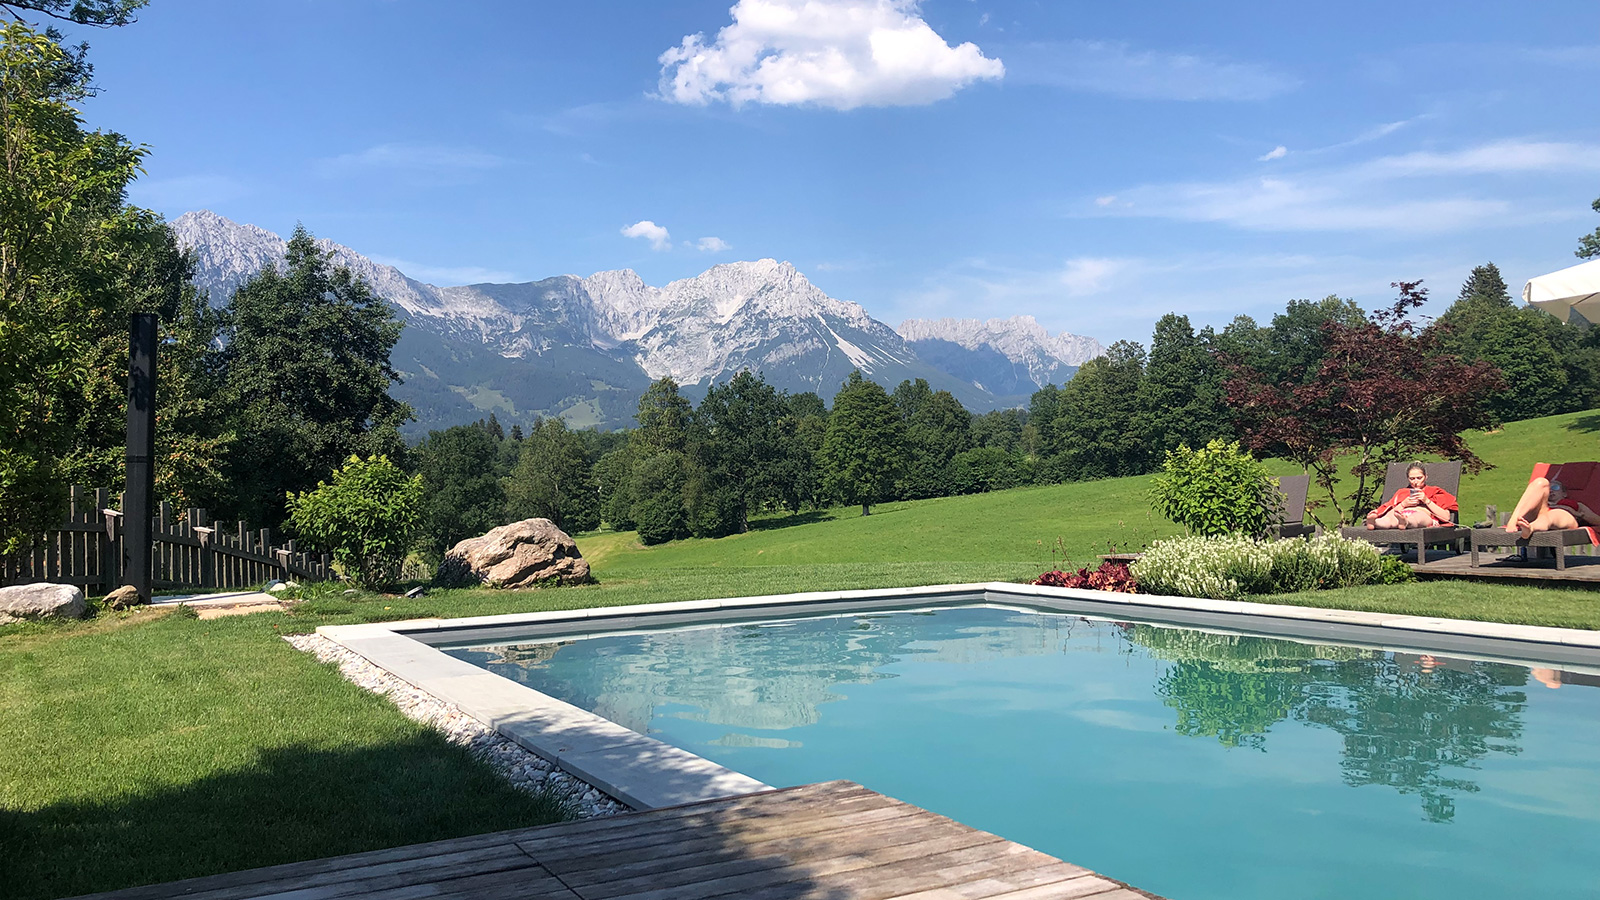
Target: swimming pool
<point>1192,763</point>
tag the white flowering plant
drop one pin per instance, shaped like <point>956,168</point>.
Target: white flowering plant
<point>1231,567</point>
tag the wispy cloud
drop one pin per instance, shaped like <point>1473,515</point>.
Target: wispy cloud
<point>186,192</point>
<point>1389,193</point>
<point>1498,158</point>
<point>1278,152</point>
<point>445,275</point>
<point>839,54</point>
<point>712,245</point>
<point>1120,70</point>
<point>1086,275</point>
<point>426,162</point>
<point>1122,296</point>
<point>658,236</point>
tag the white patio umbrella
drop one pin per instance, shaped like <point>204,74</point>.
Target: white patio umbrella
<point>1576,288</point>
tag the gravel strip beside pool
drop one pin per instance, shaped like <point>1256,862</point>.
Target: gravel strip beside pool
<point>525,771</point>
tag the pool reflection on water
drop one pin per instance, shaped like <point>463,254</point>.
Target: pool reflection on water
<point>1193,764</point>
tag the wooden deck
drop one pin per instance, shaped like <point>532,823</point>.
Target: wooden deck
<point>1510,567</point>
<point>835,840</point>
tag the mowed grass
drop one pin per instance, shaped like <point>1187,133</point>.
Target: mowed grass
<point>144,747</point>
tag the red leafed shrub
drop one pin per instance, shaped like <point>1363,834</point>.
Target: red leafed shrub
<point>1111,576</point>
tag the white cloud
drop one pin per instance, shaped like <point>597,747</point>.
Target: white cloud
<point>833,53</point>
<point>1499,158</point>
<point>1278,152</point>
<point>712,245</point>
<point>445,275</point>
<point>657,235</point>
<point>1384,194</point>
<point>1107,200</point>
<point>1130,293</point>
<point>1107,67</point>
<point>416,157</point>
<point>1085,275</point>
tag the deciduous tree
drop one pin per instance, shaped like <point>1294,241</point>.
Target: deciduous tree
<point>1382,393</point>
<point>62,226</point>
<point>863,450</point>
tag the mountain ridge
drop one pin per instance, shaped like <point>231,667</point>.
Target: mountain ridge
<point>528,348</point>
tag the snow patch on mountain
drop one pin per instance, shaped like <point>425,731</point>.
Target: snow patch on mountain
<point>1020,339</point>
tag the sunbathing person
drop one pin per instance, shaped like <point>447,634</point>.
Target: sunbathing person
<point>1545,506</point>
<point>1420,505</point>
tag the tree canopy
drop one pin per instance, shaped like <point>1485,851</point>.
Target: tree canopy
<point>63,234</point>
<point>308,373</point>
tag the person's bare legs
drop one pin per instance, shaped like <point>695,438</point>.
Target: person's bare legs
<point>1390,519</point>
<point>1553,518</point>
<point>1535,500</point>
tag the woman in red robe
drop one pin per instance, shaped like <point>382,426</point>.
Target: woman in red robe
<point>1420,505</point>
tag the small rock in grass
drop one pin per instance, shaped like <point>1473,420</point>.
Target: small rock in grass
<point>276,586</point>
<point>124,597</point>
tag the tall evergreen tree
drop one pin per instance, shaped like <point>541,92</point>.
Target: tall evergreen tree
<point>1181,395</point>
<point>740,448</point>
<point>1097,432</point>
<point>863,450</point>
<point>308,374</point>
<point>659,449</point>
<point>1484,324</point>
<point>1589,244</point>
<point>937,428</point>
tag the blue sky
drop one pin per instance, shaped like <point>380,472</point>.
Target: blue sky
<point>1093,165</point>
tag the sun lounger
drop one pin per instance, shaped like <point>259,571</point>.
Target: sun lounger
<point>1582,481</point>
<point>1446,475</point>
<point>1291,518</point>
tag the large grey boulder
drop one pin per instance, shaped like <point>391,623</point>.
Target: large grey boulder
<point>41,601</point>
<point>523,554</point>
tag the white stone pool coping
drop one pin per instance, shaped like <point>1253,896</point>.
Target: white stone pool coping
<point>646,773</point>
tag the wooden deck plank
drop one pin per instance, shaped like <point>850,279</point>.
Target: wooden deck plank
<point>749,831</point>
<point>707,849</point>
<point>835,840</point>
<point>1058,880</point>
<point>861,872</point>
<point>890,845</point>
<point>351,882</point>
<point>192,887</point>
<point>752,807</point>
<point>529,882</point>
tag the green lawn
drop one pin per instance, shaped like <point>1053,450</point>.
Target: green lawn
<point>147,746</point>
<point>1512,451</point>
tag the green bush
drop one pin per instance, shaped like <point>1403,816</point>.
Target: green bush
<point>366,515</point>
<point>1394,570</point>
<point>1232,567</point>
<point>1218,489</point>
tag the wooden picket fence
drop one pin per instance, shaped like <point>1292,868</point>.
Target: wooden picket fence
<point>189,551</point>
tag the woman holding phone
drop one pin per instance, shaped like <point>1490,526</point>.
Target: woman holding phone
<point>1418,505</point>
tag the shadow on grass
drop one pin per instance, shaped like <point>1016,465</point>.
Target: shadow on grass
<point>789,521</point>
<point>1587,424</point>
<point>294,803</point>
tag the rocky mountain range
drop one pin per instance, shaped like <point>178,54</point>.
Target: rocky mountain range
<point>585,348</point>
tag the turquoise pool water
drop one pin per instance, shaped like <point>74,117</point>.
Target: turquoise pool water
<point>1191,764</point>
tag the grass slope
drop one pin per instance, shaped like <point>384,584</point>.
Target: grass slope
<point>145,746</point>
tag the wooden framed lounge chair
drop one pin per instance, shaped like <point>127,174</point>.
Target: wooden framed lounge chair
<point>1292,513</point>
<point>1582,481</point>
<point>1446,475</point>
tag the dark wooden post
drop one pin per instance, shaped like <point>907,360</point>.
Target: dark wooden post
<point>141,451</point>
